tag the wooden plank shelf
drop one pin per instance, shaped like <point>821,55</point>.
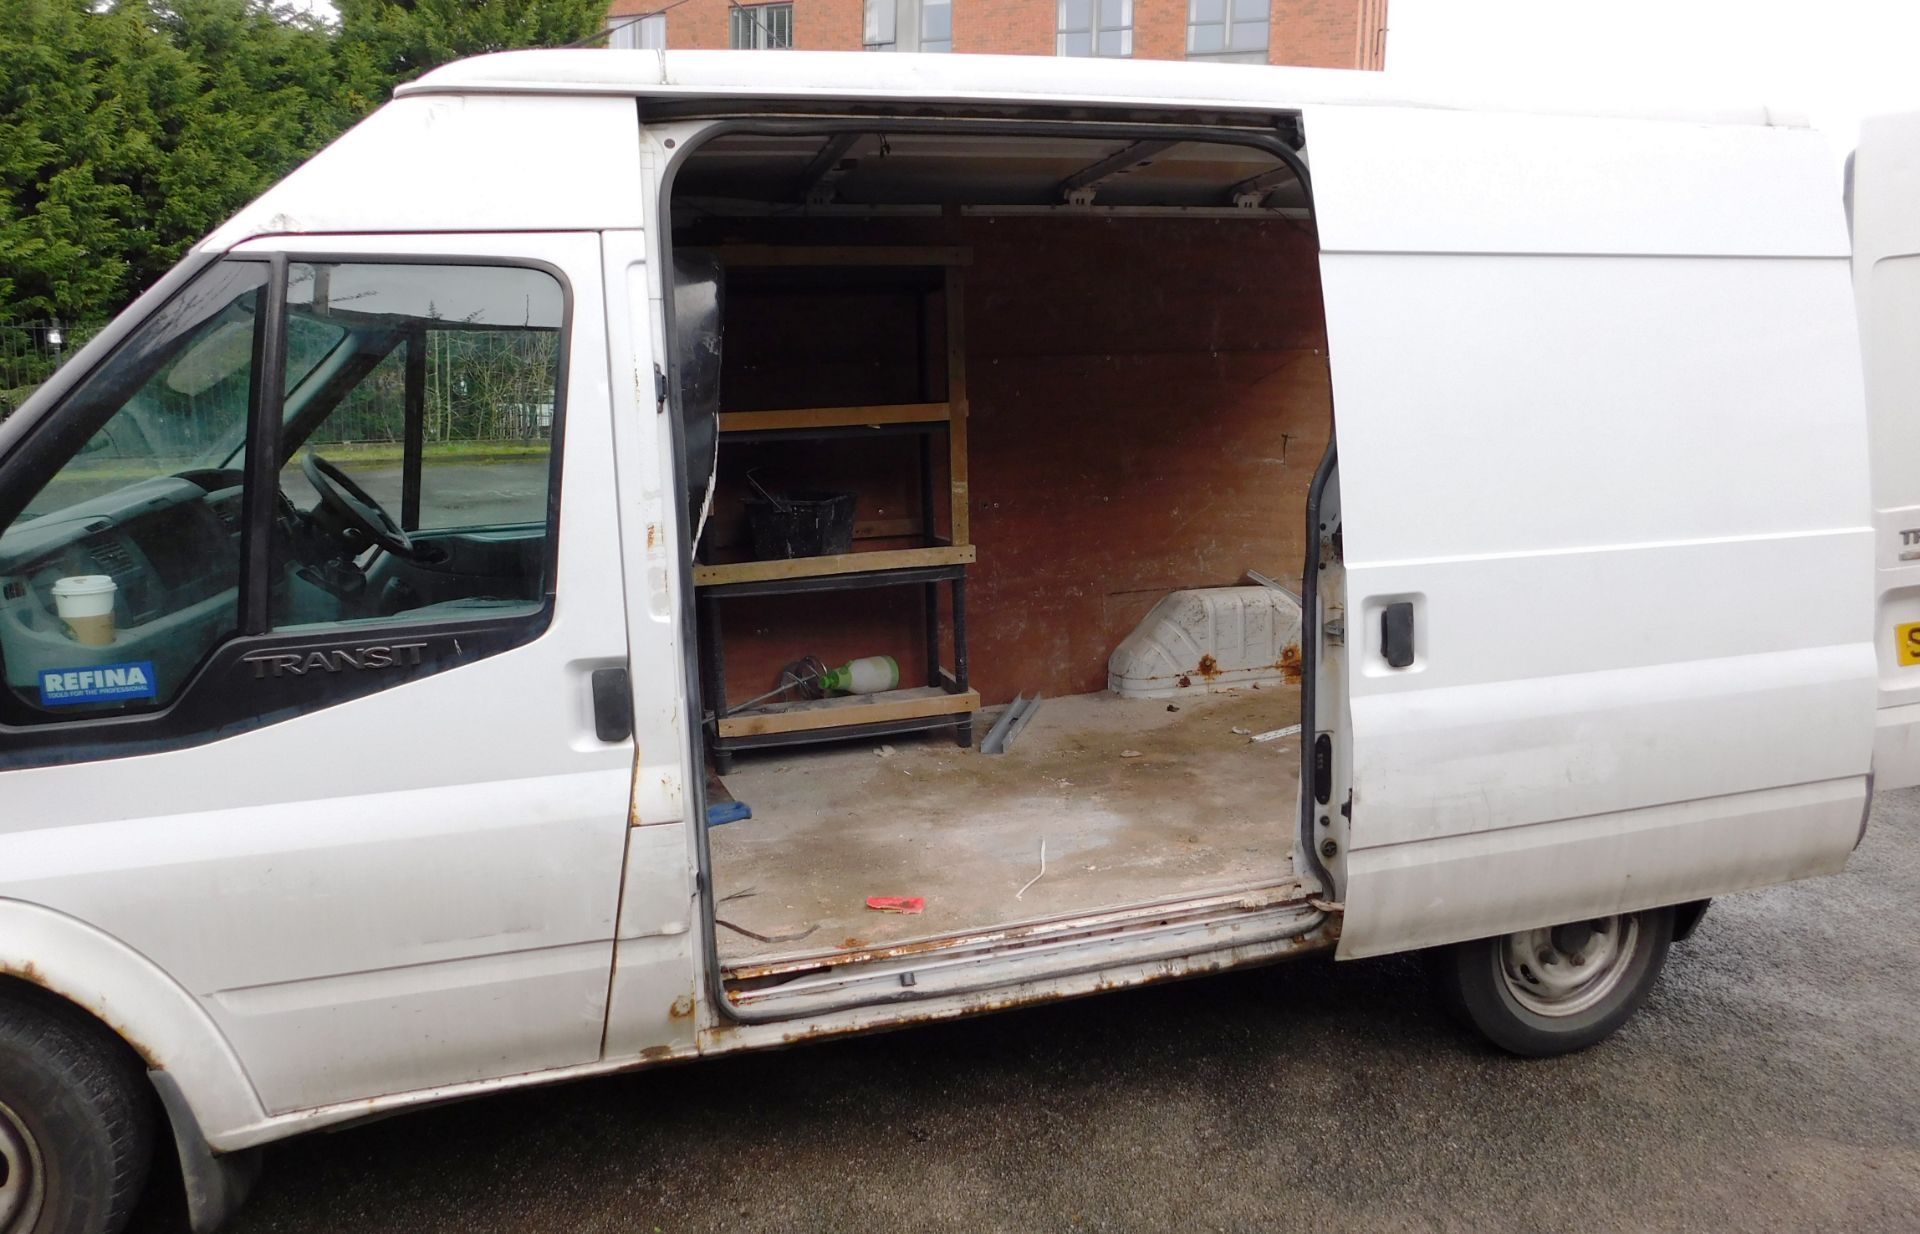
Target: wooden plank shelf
<point>841,563</point>
<point>834,417</point>
<point>940,356</point>
<point>767,256</point>
<point>839,712</point>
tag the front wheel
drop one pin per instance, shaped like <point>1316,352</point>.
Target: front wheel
<point>75,1123</point>
<point>1558,989</point>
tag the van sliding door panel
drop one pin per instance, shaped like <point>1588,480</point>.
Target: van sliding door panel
<point>1886,270</point>
<point>1614,455</point>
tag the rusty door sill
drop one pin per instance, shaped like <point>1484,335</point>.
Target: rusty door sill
<point>1020,952</point>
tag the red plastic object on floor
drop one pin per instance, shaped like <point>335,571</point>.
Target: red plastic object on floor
<point>897,904</point>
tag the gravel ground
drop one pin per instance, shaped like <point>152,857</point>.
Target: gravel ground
<point>1773,1082</point>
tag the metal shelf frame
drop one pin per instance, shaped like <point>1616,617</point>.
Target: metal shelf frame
<point>928,578</point>
<point>938,561</point>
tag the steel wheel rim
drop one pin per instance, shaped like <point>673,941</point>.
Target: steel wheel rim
<point>1550,981</point>
<point>23,1181</point>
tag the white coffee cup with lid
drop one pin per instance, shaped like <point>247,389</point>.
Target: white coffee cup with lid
<point>85,603</point>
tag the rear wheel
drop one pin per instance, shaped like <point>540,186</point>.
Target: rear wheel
<point>76,1123</point>
<point>1558,989</point>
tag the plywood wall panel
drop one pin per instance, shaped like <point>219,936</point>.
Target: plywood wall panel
<point>1149,401</point>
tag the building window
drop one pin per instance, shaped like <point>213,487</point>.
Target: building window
<point>1227,30</point>
<point>908,25</point>
<point>647,33</point>
<point>761,27</point>
<point>1095,28</point>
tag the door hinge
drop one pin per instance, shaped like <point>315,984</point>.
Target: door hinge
<point>659,389</point>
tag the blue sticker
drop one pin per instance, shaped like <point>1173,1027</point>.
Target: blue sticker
<point>103,683</point>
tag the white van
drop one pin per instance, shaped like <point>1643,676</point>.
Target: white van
<point>385,597</point>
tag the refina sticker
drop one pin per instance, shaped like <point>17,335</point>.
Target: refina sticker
<point>104,683</point>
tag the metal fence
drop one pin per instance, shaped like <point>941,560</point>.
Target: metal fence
<point>31,350</point>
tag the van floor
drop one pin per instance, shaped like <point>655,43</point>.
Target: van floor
<point>1137,800</point>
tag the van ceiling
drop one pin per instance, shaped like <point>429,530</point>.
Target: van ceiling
<point>749,173</point>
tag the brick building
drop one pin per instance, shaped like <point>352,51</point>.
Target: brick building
<point>1318,33</point>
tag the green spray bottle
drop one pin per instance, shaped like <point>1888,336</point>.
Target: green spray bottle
<point>867,675</point>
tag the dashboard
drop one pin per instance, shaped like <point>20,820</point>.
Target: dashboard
<point>171,546</point>
<point>167,543</point>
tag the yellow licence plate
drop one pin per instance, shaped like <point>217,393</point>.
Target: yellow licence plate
<point>1906,642</point>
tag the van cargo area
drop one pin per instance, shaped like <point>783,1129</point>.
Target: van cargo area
<point>1077,389</point>
<point>1132,802</point>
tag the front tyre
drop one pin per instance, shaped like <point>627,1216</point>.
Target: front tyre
<point>1558,989</point>
<point>76,1122</point>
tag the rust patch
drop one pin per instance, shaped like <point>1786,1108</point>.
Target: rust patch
<point>1181,968</point>
<point>29,972</point>
<point>682,1007</point>
<point>146,1056</point>
<point>1186,683</point>
<point>653,536</point>
<point>1289,664</point>
<point>1209,667</point>
<point>915,948</point>
<point>853,944</point>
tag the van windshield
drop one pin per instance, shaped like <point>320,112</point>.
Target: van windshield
<point>187,412</point>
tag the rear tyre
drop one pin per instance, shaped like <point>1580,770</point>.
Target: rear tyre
<point>1560,989</point>
<point>76,1123</point>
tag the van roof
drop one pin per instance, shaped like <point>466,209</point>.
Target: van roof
<point>961,79</point>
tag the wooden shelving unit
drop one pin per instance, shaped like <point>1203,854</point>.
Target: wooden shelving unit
<point>834,417</point>
<point>946,698</point>
<point>768,256</point>
<point>842,563</point>
<point>806,715</point>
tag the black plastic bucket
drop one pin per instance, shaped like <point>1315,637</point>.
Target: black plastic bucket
<point>806,523</point>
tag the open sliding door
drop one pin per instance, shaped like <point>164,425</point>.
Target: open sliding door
<point>1886,264</point>
<point>1603,470</point>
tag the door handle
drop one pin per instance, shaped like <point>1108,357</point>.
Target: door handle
<point>1396,633</point>
<point>612,705</point>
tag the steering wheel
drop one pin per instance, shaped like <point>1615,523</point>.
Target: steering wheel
<point>352,509</point>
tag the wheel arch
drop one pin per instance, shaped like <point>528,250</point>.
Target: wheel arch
<point>138,1003</point>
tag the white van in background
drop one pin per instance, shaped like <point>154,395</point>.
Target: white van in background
<point>390,770</point>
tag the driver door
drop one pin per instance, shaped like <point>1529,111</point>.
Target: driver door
<point>370,816</point>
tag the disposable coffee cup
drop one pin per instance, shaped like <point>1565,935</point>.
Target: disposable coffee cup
<point>85,603</point>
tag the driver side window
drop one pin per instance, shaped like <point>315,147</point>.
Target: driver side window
<point>420,474</point>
